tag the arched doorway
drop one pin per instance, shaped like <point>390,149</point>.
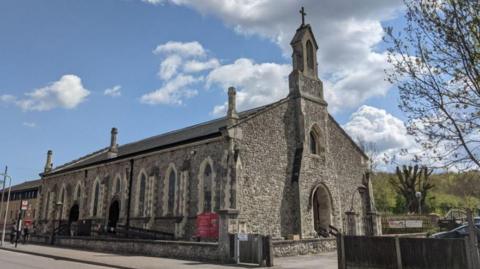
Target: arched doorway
<point>74,213</point>
<point>322,210</point>
<point>113,215</point>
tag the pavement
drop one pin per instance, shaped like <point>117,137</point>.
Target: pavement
<point>37,256</point>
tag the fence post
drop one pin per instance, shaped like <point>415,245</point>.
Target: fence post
<point>341,252</point>
<point>261,261</point>
<point>269,250</point>
<point>399,253</point>
<point>472,236</point>
<point>468,253</point>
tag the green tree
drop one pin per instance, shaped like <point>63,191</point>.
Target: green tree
<point>408,181</point>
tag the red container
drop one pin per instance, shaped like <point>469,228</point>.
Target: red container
<point>207,226</point>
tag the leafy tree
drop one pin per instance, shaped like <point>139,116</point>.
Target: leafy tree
<point>410,180</point>
<point>436,66</point>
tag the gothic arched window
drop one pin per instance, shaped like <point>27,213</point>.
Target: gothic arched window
<point>207,188</point>
<point>77,194</point>
<point>117,185</point>
<point>96,194</point>
<point>141,195</point>
<point>47,205</point>
<point>313,143</point>
<point>172,179</point>
<point>310,56</point>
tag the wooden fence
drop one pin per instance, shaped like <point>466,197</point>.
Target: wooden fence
<point>360,252</point>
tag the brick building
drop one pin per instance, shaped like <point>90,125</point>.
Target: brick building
<point>26,191</point>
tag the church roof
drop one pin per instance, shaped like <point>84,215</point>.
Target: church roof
<point>301,31</point>
<point>189,134</point>
<point>27,185</point>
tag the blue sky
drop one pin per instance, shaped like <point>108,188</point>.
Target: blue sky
<point>97,45</point>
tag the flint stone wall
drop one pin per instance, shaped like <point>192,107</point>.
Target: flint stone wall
<point>285,248</point>
<point>196,251</point>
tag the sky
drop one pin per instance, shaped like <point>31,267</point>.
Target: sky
<point>72,70</point>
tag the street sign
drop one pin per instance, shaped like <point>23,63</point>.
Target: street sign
<point>242,237</point>
<point>24,205</point>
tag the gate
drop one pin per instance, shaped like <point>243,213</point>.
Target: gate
<point>252,249</point>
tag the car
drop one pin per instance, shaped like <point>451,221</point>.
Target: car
<point>459,232</point>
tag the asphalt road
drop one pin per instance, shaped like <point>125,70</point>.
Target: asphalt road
<point>13,260</point>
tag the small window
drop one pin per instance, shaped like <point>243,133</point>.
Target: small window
<point>141,196</point>
<point>313,143</point>
<point>95,199</point>
<point>310,55</point>
<point>207,189</point>
<point>172,178</point>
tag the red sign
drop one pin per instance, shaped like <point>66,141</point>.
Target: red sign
<point>207,226</point>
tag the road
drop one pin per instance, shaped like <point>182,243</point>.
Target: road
<point>16,260</point>
<point>13,260</point>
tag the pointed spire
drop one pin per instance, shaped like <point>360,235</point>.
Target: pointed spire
<point>48,163</point>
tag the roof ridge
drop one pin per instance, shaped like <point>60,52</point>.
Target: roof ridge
<point>80,159</point>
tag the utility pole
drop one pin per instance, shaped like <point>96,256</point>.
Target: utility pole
<point>6,209</point>
<point>3,195</point>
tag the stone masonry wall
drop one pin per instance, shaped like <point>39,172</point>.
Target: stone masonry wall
<point>186,162</point>
<point>266,196</point>
<point>170,249</point>
<point>350,165</point>
<point>285,248</point>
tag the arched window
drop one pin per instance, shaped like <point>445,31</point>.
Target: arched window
<point>117,185</point>
<point>310,55</point>
<point>172,178</point>
<point>141,195</point>
<point>77,194</point>
<point>313,143</point>
<point>207,188</point>
<point>47,205</point>
<point>96,194</point>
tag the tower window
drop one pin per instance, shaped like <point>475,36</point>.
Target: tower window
<point>310,55</point>
<point>313,143</point>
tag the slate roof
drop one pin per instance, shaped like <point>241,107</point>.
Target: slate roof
<point>27,185</point>
<point>189,134</point>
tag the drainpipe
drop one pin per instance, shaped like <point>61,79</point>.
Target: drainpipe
<point>130,180</point>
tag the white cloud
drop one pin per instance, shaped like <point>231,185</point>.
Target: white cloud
<point>388,135</point>
<point>29,124</point>
<point>173,92</point>
<point>257,84</point>
<point>115,91</point>
<point>348,33</point>
<point>169,67</point>
<point>68,92</point>
<point>194,66</point>
<point>188,49</point>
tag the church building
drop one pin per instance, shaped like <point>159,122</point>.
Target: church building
<point>283,169</point>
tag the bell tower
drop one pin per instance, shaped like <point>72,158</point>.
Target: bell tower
<point>304,79</point>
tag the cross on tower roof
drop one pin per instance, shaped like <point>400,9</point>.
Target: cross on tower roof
<point>302,11</point>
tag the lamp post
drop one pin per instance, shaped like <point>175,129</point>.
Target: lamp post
<point>58,205</point>
<point>5,176</point>
<point>419,198</point>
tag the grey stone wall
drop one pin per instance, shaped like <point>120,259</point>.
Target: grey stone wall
<point>350,165</point>
<point>186,161</point>
<point>266,196</point>
<point>285,248</point>
<point>170,249</point>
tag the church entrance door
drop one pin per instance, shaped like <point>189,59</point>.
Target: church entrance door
<point>322,210</point>
<point>113,215</point>
<point>74,214</point>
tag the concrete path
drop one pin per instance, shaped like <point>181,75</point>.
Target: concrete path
<point>322,261</point>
